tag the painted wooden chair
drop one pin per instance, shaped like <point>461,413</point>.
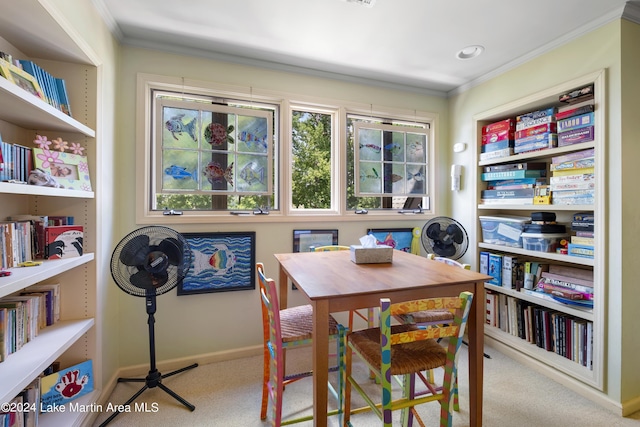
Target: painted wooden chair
<point>405,350</point>
<point>285,329</point>
<point>370,312</point>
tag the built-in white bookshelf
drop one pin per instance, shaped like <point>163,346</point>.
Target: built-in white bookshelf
<point>554,365</point>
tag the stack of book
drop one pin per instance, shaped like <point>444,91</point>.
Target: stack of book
<point>54,89</point>
<point>582,242</point>
<point>572,179</point>
<point>568,285</point>
<point>512,183</point>
<point>497,139</point>
<point>536,131</point>
<point>576,118</point>
<point>23,316</point>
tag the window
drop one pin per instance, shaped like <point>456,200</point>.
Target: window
<point>214,152</point>
<point>388,163</point>
<point>211,154</point>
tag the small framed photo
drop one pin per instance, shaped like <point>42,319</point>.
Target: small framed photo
<point>304,240</point>
<point>21,78</point>
<point>220,262</point>
<point>397,238</point>
<point>68,169</point>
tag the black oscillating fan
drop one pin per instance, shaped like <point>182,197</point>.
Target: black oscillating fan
<point>149,262</point>
<point>445,237</point>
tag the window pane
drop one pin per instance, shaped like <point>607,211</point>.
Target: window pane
<point>211,156</point>
<point>311,160</point>
<point>386,163</point>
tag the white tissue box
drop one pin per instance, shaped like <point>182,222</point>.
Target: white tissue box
<point>379,254</point>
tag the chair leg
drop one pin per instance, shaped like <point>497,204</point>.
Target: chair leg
<point>346,385</point>
<point>265,384</point>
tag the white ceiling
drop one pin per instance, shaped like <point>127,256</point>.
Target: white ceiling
<point>409,43</point>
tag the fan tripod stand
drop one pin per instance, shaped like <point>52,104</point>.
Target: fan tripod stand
<point>154,379</point>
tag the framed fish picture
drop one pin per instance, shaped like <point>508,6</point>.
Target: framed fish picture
<point>220,262</point>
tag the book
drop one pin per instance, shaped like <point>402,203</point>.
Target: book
<point>575,110</point>
<point>507,194</point>
<point>66,385</point>
<point>577,95</point>
<point>509,271</point>
<point>575,122</point>
<point>515,166</point>
<point>63,241</point>
<point>495,269</point>
<point>505,152</point>
<point>510,184</point>
<point>574,155</point>
<point>576,136</point>
<point>584,251</point>
<point>575,283</point>
<point>536,130</point>
<point>484,262</point>
<point>588,162</point>
<point>63,96</point>
<point>568,271</point>
<point>513,174</point>
<point>502,125</point>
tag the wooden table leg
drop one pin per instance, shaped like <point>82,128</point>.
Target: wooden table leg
<point>320,361</point>
<point>476,352</point>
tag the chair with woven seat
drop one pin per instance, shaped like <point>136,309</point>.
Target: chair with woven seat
<point>370,313</point>
<point>285,329</point>
<point>405,350</point>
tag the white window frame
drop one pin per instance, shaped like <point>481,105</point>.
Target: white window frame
<point>287,103</point>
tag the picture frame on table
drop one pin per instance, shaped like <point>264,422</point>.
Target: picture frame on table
<point>20,78</point>
<point>398,238</point>
<point>220,262</point>
<point>69,170</point>
<point>304,240</point>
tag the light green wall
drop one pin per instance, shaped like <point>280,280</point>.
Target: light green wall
<point>192,325</point>
<point>629,209</point>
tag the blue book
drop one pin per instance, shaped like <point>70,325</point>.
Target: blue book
<point>62,94</point>
<point>495,269</point>
<point>513,174</point>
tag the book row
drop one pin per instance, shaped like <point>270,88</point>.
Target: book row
<point>16,161</point>
<point>29,237</point>
<point>565,335</point>
<point>23,316</point>
<point>36,80</point>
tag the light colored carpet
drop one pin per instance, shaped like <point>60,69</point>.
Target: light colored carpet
<point>227,394</point>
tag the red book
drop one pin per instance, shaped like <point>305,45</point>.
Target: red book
<point>63,241</point>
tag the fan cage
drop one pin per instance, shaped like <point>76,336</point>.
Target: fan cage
<point>431,245</point>
<point>122,274</point>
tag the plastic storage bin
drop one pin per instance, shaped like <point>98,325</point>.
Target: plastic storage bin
<point>542,242</point>
<point>503,230</point>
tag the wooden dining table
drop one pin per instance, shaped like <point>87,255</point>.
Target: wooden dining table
<point>332,283</point>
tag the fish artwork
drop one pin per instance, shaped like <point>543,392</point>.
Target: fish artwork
<point>251,173</point>
<point>215,173</point>
<point>250,138</point>
<point>221,261</point>
<point>373,147</point>
<point>180,172</point>
<point>393,147</point>
<point>418,176</point>
<point>364,176</point>
<point>216,134</point>
<point>176,126</point>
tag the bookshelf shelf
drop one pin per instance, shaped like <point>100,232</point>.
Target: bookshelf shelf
<point>23,109</point>
<point>518,347</point>
<point>23,366</point>
<point>541,255</point>
<point>581,313</point>
<point>35,190</point>
<point>23,277</point>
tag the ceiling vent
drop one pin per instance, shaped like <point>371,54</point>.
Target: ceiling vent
<point>367,3</point>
